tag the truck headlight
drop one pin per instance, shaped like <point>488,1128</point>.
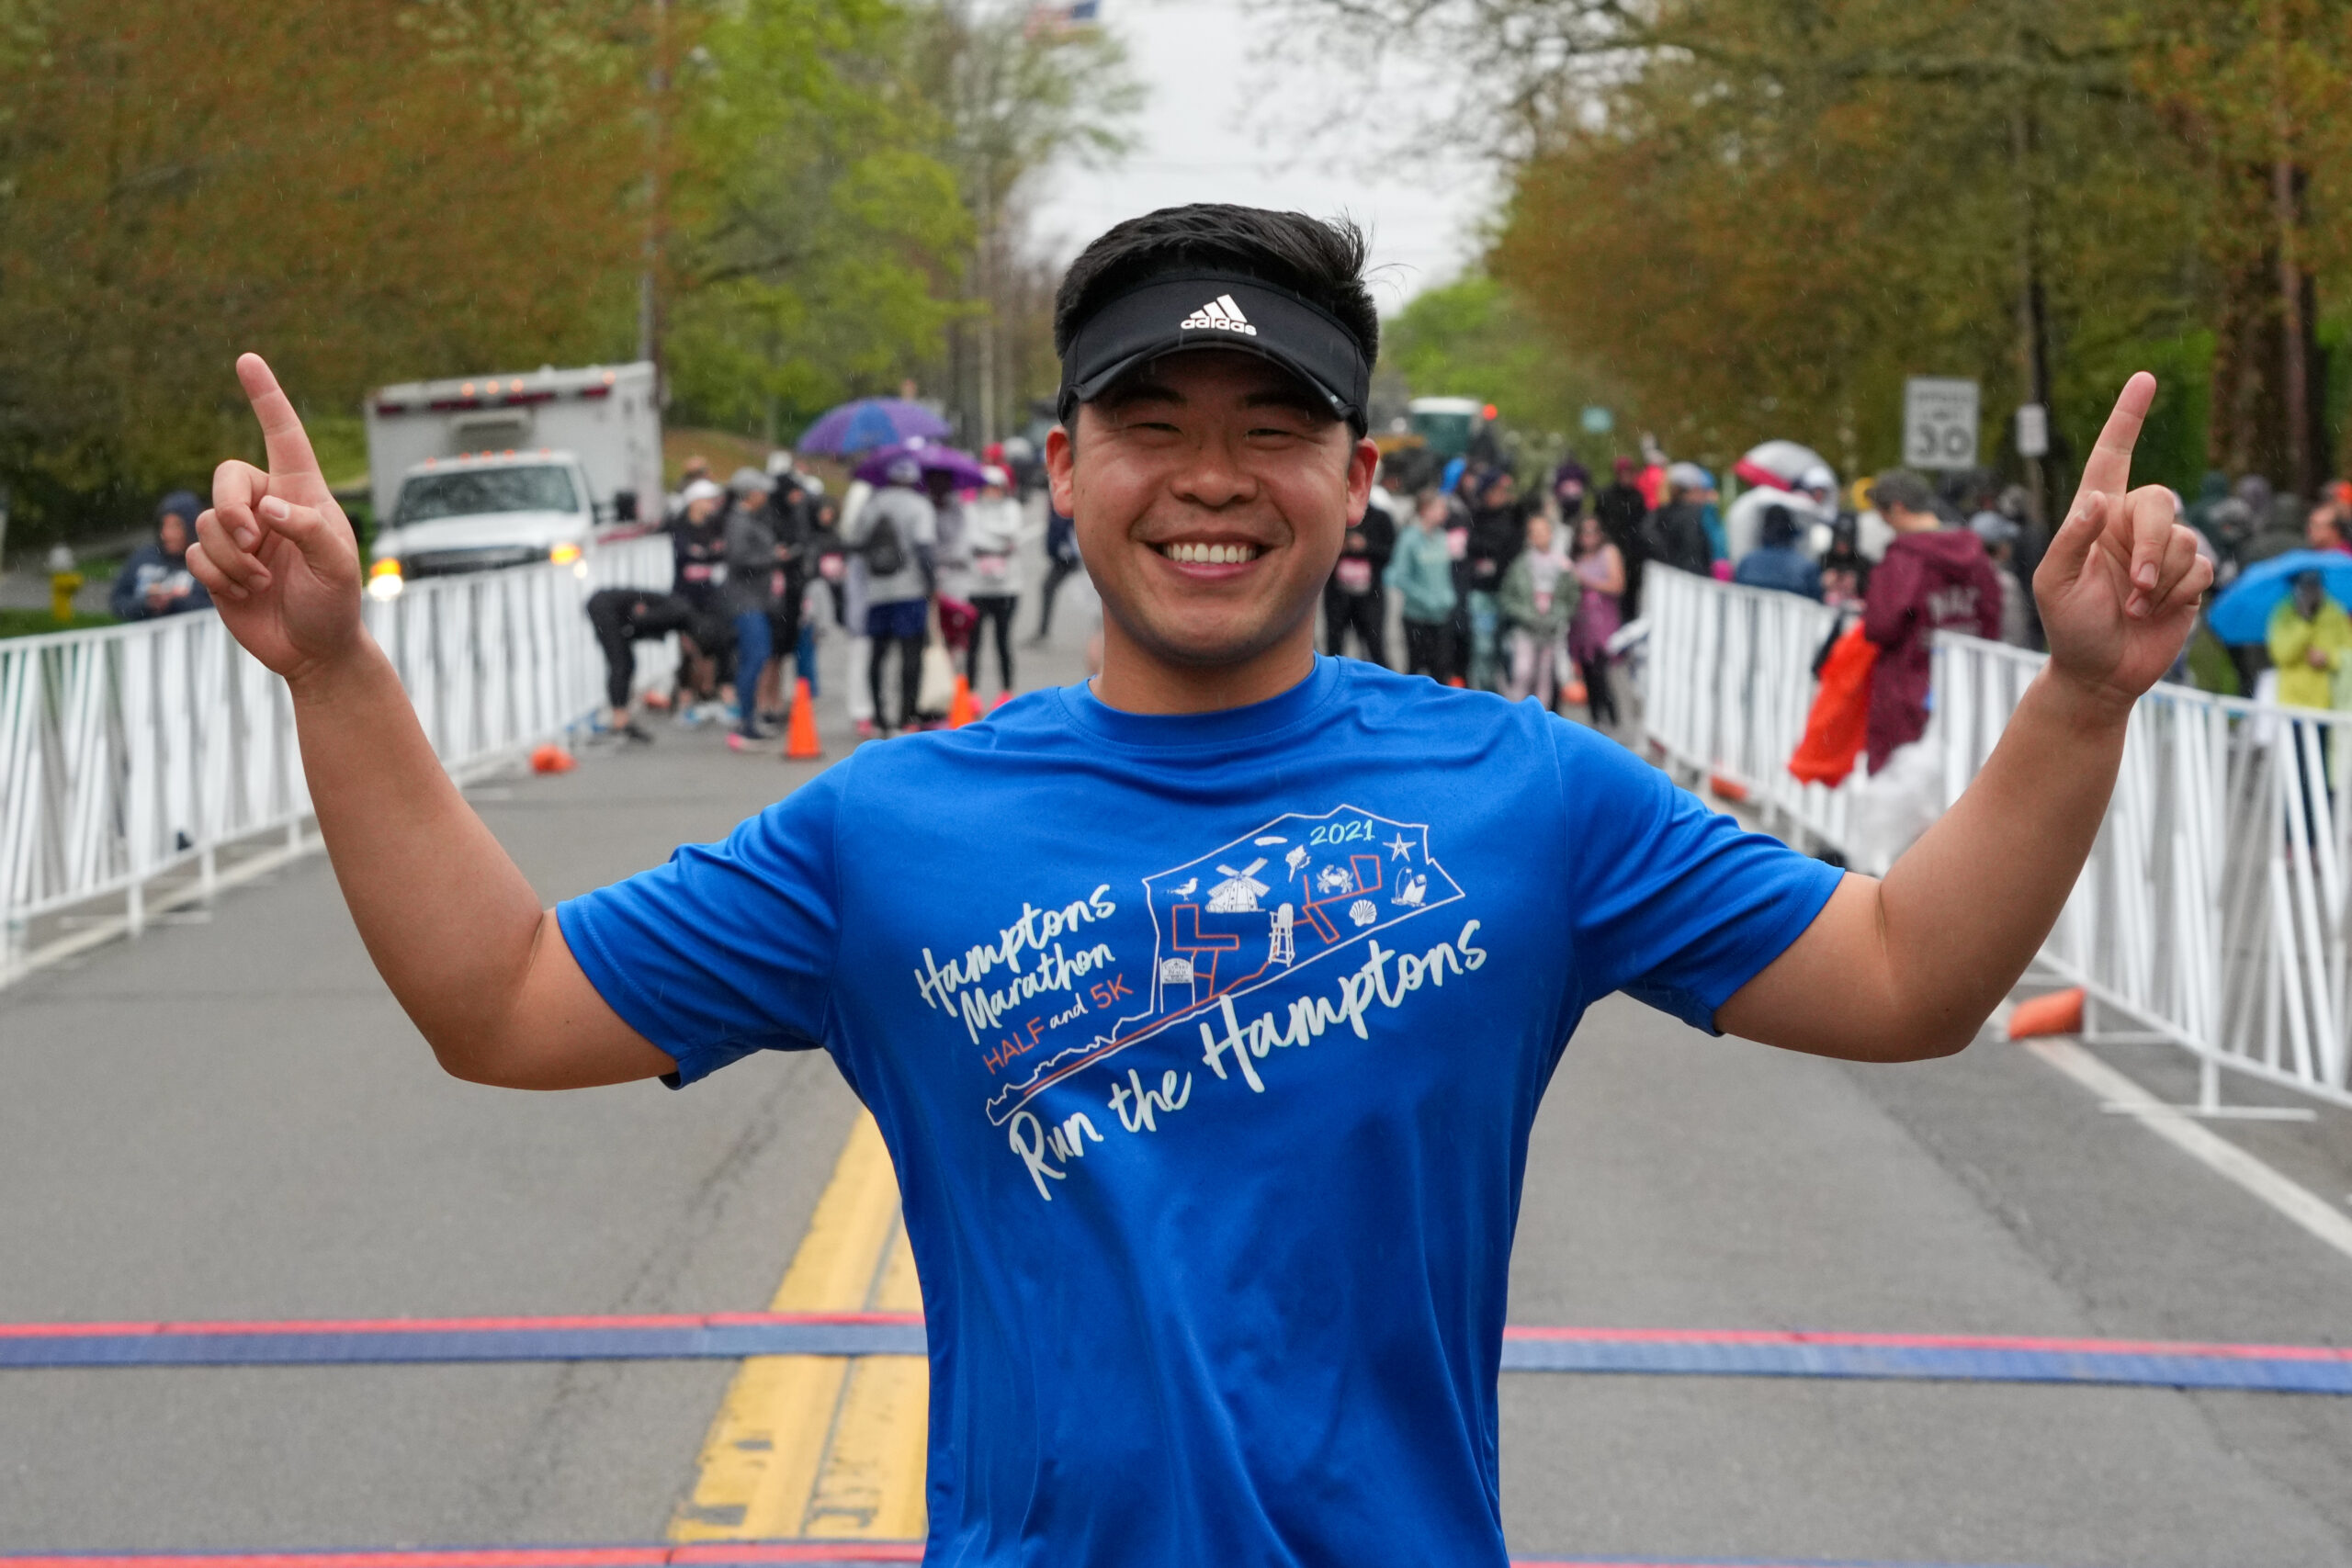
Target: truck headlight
<point>564,554</point>
<point>384,580</point>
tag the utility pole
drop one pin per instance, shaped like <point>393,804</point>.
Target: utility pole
<point>2294,381</point>
<point>986,270</point>
<point>649,322</point>
<point>2033,330</point>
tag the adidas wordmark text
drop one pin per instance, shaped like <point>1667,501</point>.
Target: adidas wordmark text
<point>1220,314</point>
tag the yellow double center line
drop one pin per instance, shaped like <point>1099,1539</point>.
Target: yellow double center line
<point>826,1447</point>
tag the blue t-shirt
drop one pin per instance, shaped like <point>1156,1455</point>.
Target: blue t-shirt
<point>1206,1048</point>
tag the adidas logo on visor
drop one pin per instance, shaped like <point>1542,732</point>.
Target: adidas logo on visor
<point>1220,314</point>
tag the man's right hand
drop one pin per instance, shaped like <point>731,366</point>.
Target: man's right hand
<point>275,551</point>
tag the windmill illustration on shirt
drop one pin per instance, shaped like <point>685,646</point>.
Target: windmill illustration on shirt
<point>1350,875</point>
<point>1240,890</point>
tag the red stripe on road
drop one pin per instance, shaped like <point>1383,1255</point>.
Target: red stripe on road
<point>810,1551</point>
<point>712,1554</point>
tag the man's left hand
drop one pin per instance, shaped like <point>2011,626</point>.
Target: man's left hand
<point>2120,587</point>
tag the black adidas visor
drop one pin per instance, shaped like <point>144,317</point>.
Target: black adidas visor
<point>1173,311</point>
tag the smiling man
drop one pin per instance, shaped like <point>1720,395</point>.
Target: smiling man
<point>1205,1008</point>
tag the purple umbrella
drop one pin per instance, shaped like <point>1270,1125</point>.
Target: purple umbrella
<point>869,422</point>
<point>934,461</point>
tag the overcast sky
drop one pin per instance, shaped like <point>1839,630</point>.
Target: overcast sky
<point>1226,99</point>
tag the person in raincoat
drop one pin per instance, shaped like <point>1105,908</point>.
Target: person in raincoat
<point>1538,598</point>
<point>2309,636</point>
<point>1421,572</point>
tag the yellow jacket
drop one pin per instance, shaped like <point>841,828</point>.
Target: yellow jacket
<point>2292,638</point>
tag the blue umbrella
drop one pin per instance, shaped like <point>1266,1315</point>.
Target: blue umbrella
<point>2242,614</point>
<point>869,422</point>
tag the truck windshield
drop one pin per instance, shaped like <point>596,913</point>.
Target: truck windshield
<point>468,492</point>
<point>1448,433</point>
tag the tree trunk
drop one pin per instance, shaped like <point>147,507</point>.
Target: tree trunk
<point>2295,344</point>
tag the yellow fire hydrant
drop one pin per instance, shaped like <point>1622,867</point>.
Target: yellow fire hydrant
<point>64,583</point>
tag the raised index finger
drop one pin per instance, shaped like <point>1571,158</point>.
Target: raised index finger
<point>281,429</point>
<point>2108,467</point>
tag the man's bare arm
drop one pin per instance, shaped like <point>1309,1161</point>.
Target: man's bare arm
<point>449,919</point>
<point>1910,966</point>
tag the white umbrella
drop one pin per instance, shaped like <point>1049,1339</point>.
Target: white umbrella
<point>1779,464</point>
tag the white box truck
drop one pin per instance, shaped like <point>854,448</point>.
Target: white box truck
<point>477,472</point>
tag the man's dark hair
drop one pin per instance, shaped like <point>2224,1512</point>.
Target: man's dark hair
<point>1322,262</point>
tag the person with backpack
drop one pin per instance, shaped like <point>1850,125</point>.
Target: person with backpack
<point>748,595</point>
<point>894,533</point>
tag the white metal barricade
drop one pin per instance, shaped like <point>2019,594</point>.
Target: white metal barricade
<point>136,751</point>
<point>2214,910</point>
<point>1729,683</point>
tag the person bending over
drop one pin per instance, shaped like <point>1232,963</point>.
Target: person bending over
<point>621,618</point>
<point>1204,1006</point>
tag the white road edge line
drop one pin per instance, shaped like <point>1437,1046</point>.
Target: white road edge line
<point>2218,1155</point>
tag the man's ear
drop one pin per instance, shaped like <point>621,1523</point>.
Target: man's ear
<point>1363,466</point>
<point>1061,469</point>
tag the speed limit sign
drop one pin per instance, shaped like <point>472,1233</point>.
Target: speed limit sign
<point>1939,422</point>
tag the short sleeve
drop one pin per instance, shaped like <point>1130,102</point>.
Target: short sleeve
<point>727,949</point>
<point>1672,903</point>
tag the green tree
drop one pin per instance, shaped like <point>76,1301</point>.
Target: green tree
<point>1020,93</point>
<point>820,237</point>
<point>343,189</point>
<point>1472,338</point>
<point>1762,214</point>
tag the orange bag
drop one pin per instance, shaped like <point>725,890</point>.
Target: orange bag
<point>1839,725</point>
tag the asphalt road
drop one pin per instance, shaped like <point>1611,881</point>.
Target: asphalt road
<point>230,1119</point>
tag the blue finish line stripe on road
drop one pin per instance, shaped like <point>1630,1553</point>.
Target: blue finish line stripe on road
<point>720,1554</point>
<point>2281,1369</point>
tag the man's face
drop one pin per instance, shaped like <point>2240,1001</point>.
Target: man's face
<point>2320,530</point>
<point>172,534</point>
<point>1210,491</point>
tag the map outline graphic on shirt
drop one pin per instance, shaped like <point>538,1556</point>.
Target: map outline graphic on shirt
<point>1257,909</point>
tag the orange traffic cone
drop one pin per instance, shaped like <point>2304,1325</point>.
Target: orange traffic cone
<point>801,737</point>
<point>1576,695</point>
<point>2057,1012</point>
<point>552,759</point>
<point>961,709</point>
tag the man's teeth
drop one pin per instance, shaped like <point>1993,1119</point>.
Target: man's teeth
<point>1210,555</point>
